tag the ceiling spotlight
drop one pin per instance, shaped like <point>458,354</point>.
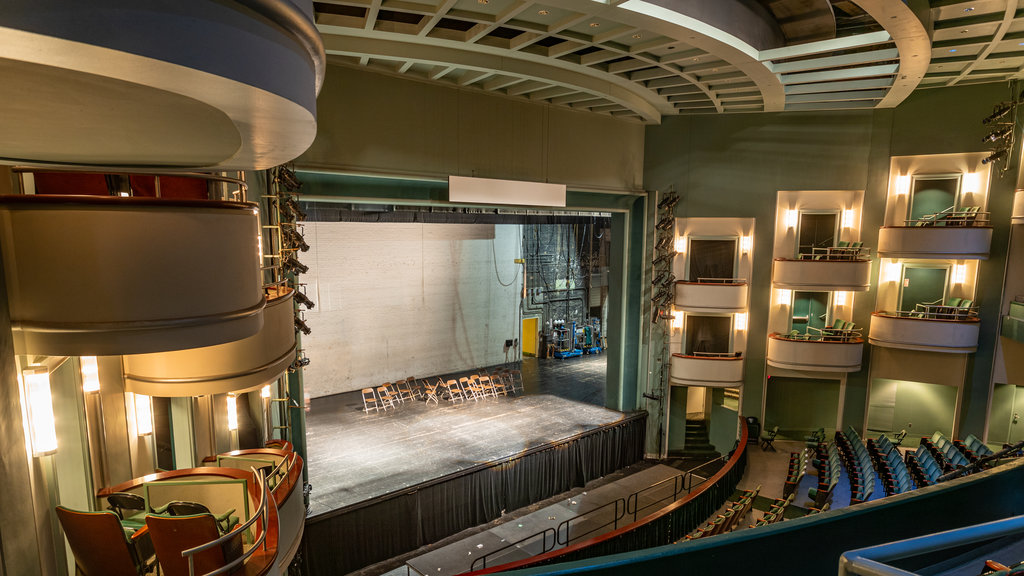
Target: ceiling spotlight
<point>304,300</point>
<point>302,327</point>
<point>998,134</point>
<point>595,24</point>
<point>998,112</point>
<point>637,36</point>
<point>543,12</point>
<point>995,156</point>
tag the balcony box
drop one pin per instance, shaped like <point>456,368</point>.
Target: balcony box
<point>941,242</point>
<point>1018,207</point>
<point>709,371</point>
<point>233,367</point>
<point>717,297</point>
<point>821,275</point>
<point>815,355</point>
<point>929,334</point>
<point>102,276</point>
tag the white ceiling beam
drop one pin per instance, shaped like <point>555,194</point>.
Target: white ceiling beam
<point>570,98</point>
<point>526,87</point>
<point>472,76</point>
<point>427,24</point>
<point>479,31</point>
<point>501,82</point>
<point>825,46</point>
<point>836,61</point>
<point>1008,15</point>
<point>405,66</point>
<point>839,86</point>
<point>552,92</point>
<point>371,15</point>
<point>438,72</point>
<point>564,48</point>
<point>843,74</point>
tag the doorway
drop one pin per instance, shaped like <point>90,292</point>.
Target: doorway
<point>799,406</point>
<point>707,334</point>
<point>712,258</point>
<point>921,284</point>
<point>817,230</point>
<point>810,310</point>
<point>933,194</point>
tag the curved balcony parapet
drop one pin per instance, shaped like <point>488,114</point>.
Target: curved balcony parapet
<point>940,242</point>
<point>1018,207</point>
<point>852,275</point>
<point>710,370</point>
<point>815,355</point>
<point>727,295</point>
<point>236,366</point>
<point>102,276</point>
<point>909,332</point>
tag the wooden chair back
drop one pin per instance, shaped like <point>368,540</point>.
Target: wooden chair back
<point>173,534</point>
<point>98,542</point>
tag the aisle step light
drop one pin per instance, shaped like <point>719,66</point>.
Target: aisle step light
<point>740,321</point>
<point>143,415</point>
<point>232,412</point>
<point>42,428</point>
<point>90,374</point>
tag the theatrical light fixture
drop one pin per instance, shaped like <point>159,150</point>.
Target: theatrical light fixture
<point>903,184</point>
<point>663,243</point>
<point>665,223</point>
<point>42,428</point>
<point>792,218</point>
<point>669,202</point>
<point>90,374</point>
<point>304,300</point>
<point>143,415</point>
<point>288,178</point>
<point>995,156</point>
<point>659,295</point>
<point>998,112</point>
<point>292,264</point>
<point>664,257</point>
<point>293,237</point>
<point>740,321</point>
<point>660,278</point>
<point>299,363</point>
<point>680,244</point>
<point>302,327</point>
<point>998,134</point>
<point>292,210</point>
<point>232,412</point>
<point>746,243</point>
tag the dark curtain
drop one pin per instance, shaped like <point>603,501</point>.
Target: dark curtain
<point>356,536</point>
<point>712,259</point>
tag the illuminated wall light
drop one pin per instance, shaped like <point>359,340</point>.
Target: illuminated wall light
<point>265,392</point>
<point>232,413</point>
<point>839,298</point>
<point>903,184</point>
<point>90,374</point>
<point>848,216</point>
<point>891,272</point>
<point>680,244</point>
<point>143,415</point>
<point>971,183</point>
<point>746,243</point>
<point>740,321</point>
<point>42,428</point>
<point>792,218</point>
<point>783,295</point>
<point>959,273</point>
<point>677,320</point>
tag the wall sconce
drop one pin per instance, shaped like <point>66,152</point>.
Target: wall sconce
<point>839,298</point>
<point>971,183</point>
<point>740,321</point>
<point>677,320</point>
<point>959,273</point>
<point>90,374</point>
<point>42,428</point>
<point>903,185</point>
<point>265,392</point>
<point>143,415</point>
<point>792,218</point>
<point>784,296</point>
<point>891,272</point>
<point>680,245</point>
<point>746,244</point>
<point>848,216</point>
<point>232,413</point>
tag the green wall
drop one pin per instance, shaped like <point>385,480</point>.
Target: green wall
<point>918,407</point>
<point>799,406</point>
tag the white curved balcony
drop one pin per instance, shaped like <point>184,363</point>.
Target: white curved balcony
<point>211,85</point>
<point>713,371</point>
<point>821,275</point>
<point>1018,207</point>
<point>726,296</point>
<point>819,355</point>
<point>899,330</point>
<point>232,367</point>
<point>941,242</point>
<point>100,276</point>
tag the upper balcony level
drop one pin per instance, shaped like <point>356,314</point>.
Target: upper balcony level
<point>825,269</point>
<point>831,351</point>
<point>936,330</point>
<point>716,295</point>
<point>710,369</point>
<point>1018,207</point>
<point>109,275</point>
<point>955,233</point>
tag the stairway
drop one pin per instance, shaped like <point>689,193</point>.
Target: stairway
<point>697,444</point>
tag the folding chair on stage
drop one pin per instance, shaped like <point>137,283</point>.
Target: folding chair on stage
<point>370,401</point>
<point>387,399</point>
<point>454,391</point>
<point>470,388</point>
<point>431,391</point>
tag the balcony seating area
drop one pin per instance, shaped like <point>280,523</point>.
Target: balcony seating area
<point>951,309</point>
<point>953,216</point>
<point>776,511</point>
<point>973,448</point>
<point>859,468</point>
<point>829,469</point>
<point>839,331</point>
<point>797,469</point>
<point>735,511</point>
<point>843,250</point>
<point>391,395</point>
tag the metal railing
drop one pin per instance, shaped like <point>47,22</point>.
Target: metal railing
<point>981,462</point>
<point>544,545</point>
<point>260,514</point>
<point>238,195</point>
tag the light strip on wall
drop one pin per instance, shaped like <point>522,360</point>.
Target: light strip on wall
<point>42,428</point>
<point>740,321</point>
<point>902,187</point>
<point>143,415</point>
<point>971,182</point>
<point>792,218</point>
<point>232,413</point>
<point>746,244</point>
<point>90,374</point>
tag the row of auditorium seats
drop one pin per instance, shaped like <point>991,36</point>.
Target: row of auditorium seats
<point>735,512</point>
<point>890,466</point>
<point>828,465</point>
<point>776,511</point>
<point>797,469</point>
<point>858,465</point>
<point>925,469</point>
<point>945,452</point>
<point>973,448</point>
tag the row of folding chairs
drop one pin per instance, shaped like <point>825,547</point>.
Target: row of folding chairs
<point>829,468</point>
<point>735,512</point>
<point>390,394</point>
<point>796,471</point>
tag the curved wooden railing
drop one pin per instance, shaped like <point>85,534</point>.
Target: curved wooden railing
<point>284,480</point>
<point>262,514</point>
<point>659,528</point>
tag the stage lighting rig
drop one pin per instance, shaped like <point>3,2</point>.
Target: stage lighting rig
<point>290,207</point>
<point>295,238</point>
<point>301,326</point>
<point>288,178</point>
<point>290,263</point>
<point>669,202</point>
<point>665,223</point>
<point>663,243</point>
<point>664,257</point>
<point>304,300</point>
<point>1000,110</point>
<point>995,155</point>
<point>998,134</point>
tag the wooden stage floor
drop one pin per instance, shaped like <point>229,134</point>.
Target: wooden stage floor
<point>354,456</point>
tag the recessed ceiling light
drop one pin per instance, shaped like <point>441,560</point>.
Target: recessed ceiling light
<point>483,1</point>
<point>595,24</point>
<point>543,12</point>
<point>969,9</point>
<point>964,31</point>
<point>637,36</point>
<point>1020,43</point>
<point>952,49</point>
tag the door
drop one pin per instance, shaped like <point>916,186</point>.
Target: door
<point>933,194</point>
<point>922,285</point>
<point>817,230</point>
<point>1017,417</point>
<point>707,334</point>
<point>810,309</point>
<point>711,259</point>
<point>529,336</point>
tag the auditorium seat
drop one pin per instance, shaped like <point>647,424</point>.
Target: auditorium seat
<point>174,534</point>
<point>102,546</point>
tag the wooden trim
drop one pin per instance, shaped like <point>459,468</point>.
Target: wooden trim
<point>57,201</point>
<point>883,314</point>
<point>829,260</point>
